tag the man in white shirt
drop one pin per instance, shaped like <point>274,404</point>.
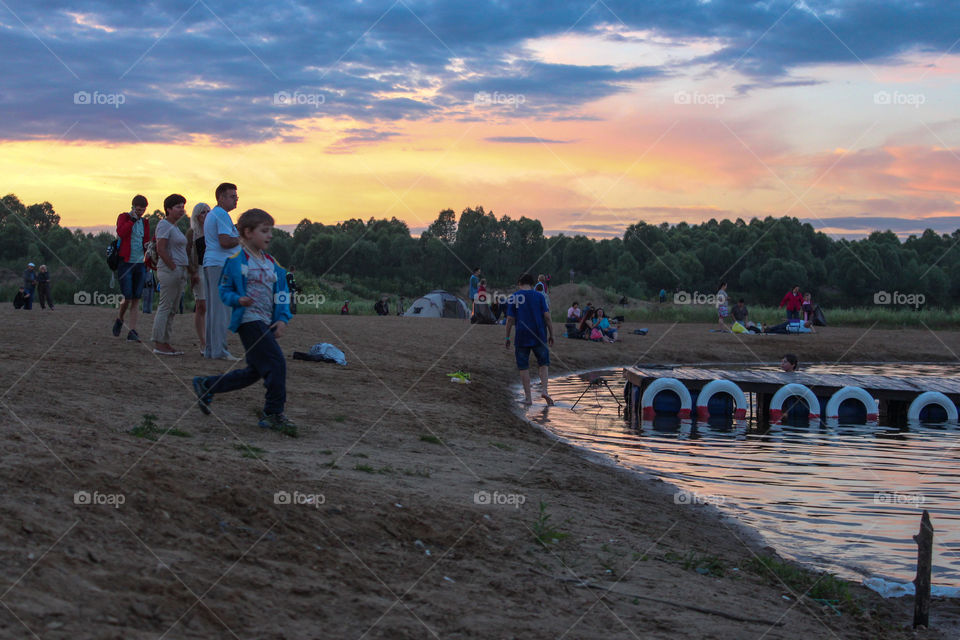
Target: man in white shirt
<point>222,240</point>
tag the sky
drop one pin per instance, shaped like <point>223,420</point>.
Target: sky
<point>589,116</point>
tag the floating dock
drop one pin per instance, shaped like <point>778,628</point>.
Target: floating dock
<point>777,393</point>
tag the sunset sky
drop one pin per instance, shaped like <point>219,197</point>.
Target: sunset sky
<point>587,116</point>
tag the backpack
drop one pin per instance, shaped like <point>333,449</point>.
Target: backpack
<point>150,253</point>
<point>113,254</point>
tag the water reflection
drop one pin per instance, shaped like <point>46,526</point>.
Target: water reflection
<point>844,497</point>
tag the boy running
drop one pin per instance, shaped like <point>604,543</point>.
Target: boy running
<point>529,310</point>
<point>254,286</point>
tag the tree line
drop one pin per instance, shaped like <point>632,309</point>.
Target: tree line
<point>759,259</point>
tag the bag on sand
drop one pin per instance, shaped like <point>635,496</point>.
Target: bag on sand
<point>596,335</point>
<point>738,328</point>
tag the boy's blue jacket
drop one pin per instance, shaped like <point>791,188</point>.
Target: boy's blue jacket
<point>233,286</point>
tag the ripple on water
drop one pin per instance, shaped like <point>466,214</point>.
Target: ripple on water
<point>845,499</point>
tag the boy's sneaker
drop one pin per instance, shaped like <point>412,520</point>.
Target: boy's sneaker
<point>278,422</point>
<point>204,397</point>
<point>117,326</point>
<point>133,336</point>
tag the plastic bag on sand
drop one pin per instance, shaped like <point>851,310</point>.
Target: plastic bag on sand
<point>738,328</point>
<point>328,352</point>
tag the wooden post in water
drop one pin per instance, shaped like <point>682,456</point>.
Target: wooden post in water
<point>921,602</point>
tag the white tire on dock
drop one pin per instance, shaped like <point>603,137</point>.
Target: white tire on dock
<point>852,393</point>
<point>931,397</point>
<point>714,387</point>
<point>789,391</point>
<point>665,384</point>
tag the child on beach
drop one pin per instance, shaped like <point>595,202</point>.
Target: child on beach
<point>254,286</point>
<point>530,311</point>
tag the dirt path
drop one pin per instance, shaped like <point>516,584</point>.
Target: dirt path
<point>400,545</point>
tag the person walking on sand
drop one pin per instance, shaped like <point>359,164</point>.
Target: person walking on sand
<point>195,250</point>
<point>172,273</point>
<point>134,234</point>
<point>254,286</point>
<point>529,311</point>
<point>29,285</point>
<point>43,287</point>
<point>793,301</point>
<point>221,239</point>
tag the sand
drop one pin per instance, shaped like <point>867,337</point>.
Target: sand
<point>398,546</point>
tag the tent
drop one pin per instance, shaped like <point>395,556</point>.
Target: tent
<point>438,304</point>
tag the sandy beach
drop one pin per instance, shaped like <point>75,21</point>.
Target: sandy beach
<point>387,535</point>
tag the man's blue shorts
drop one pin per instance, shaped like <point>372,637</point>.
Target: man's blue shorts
<point>541,352</point>
<point>131,275</point>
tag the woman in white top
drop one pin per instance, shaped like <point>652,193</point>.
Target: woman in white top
<point>723,308</point>
<point>172,263</point>
<point>195,248</point>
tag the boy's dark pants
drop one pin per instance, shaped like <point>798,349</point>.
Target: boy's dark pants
<point>264,360</point>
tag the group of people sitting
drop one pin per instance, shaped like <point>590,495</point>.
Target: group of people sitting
<point>743,324</point>
<point>590,324</point>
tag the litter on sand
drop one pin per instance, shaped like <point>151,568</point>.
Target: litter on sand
<point>460,377</point>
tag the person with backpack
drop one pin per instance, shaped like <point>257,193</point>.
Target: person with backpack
<point>529,311</point>
<point>172,273</point>
<point>254,287</point>
<point>133,232</point>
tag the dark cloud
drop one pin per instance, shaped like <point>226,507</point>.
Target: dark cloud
<point>525,140</point>
<point>214,67</point>
<point>864,225</point>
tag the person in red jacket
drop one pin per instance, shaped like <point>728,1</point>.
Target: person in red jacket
<point>793,300</point>
<point>134,233</point>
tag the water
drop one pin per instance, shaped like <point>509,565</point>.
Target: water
<point>845,499</point>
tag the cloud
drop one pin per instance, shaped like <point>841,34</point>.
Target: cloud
<point>525,140</point>
<point>865,225</point>
<point>211,69</point>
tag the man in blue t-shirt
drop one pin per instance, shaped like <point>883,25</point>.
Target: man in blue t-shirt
<point>528,309</point>
<point>222,239</point>
<point>474,284</point>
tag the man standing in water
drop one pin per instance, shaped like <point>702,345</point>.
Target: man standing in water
<point>528,309</point>
<point>221,242</point>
